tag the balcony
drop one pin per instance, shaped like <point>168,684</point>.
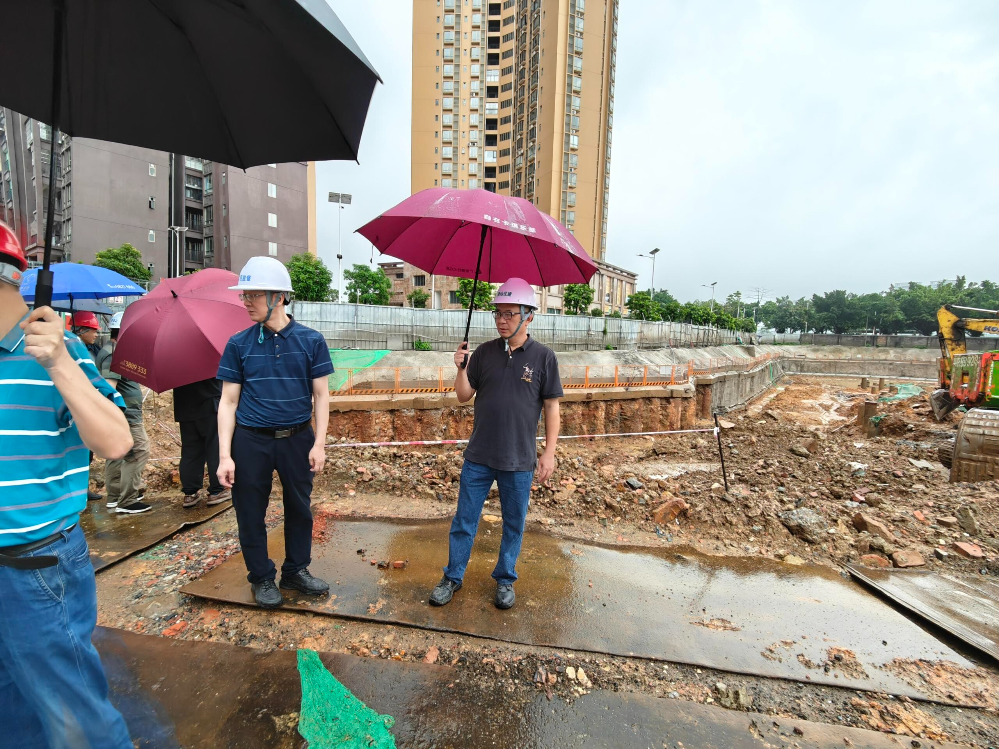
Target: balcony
<point>193,163</point>
<point>194,252</point>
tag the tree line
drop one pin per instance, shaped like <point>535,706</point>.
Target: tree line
<point>905,308</point>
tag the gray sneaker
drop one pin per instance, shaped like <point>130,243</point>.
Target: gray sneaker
<point>444,592</point>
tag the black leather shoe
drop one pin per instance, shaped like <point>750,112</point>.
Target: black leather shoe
<point>267,594</point>
<point>505,596</point>
<point>94,496</point>
<point>304,582</point>
<point>444,592</point>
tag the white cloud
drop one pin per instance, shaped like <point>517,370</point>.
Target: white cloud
<point>799,146</point>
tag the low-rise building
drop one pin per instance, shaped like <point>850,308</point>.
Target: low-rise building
<point>611,288</point>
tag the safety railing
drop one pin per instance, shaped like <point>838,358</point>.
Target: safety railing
<point>417,380</point>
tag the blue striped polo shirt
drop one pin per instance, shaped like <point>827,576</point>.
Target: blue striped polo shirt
<point>43,461</point>
<point>276,374</point>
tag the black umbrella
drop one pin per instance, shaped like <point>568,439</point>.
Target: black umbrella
<point>241,82</point>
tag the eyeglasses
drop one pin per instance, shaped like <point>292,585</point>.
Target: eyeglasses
<point>507,315</point>
<point>244,297</point>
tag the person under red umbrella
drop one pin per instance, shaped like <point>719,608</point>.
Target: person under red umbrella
<point>513,379</point>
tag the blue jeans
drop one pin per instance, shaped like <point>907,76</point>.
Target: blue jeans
<point>52,686</point>
<point>515,494</point>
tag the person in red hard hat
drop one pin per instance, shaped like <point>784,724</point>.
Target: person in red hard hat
<point>54,406</point>
<point>84,324</point>
<point>513,379</point>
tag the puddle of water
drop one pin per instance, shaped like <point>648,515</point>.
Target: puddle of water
<point>113,537</point>
<point>205,695</point>
<point>624,601</point>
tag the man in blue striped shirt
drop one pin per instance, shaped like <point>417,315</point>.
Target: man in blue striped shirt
<point>54,406</point>
<point>274,377</point>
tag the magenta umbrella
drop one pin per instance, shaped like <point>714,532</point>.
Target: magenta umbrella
<point>176,334</point>
<point>478,234</point>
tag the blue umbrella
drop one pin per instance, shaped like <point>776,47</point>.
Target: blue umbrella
<point>82,305</point>
<point>74,281</point>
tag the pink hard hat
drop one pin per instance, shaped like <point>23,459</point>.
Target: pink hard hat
<point>516,291</point>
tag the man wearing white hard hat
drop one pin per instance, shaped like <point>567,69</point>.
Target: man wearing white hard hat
<point>513,378</point>
<point>123,478</point>
<point>274,379</point>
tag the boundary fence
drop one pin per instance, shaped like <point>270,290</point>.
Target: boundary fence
<point>427,380</point>
<point>363,326</point>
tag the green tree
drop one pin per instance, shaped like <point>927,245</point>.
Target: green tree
<point>596,312</point>
<point>418,298</point>
<point>125,260</point>
<point>310,278</point>
<point>576,298</point>
<point>483,294</point>
<point>641,307</point>
<point>615,314</point>
<point>695,313</point>
<point>837,311</point>
<point>367,286</point>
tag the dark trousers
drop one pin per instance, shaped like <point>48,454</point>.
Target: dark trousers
<point>257,456</point>
<point>199,444</point>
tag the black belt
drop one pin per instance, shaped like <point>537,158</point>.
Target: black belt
<point>280,432</point>
<point>13,556</point>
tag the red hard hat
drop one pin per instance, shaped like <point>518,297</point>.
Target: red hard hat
<point>85,320</point>
<point>10,248</point>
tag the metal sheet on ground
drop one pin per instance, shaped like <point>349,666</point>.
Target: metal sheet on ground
<point>744,615</point>
<point>964,605</point>
<point>114,537</point>
<point>208,695</point>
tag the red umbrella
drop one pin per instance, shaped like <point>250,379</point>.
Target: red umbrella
<point>176,334</point>
<point>479,234</point>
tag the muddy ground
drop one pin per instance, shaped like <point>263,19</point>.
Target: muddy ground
<point>800,473</point>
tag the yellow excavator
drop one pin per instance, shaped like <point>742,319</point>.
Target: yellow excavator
<point>972,381</point>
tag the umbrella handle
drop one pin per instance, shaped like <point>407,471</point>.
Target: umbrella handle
<point>475,288</point>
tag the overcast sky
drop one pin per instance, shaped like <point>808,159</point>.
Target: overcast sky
<point>794,146</point>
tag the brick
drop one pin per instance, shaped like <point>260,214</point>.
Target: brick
<point>176,629</point>
<point>947,522</point>
<point>874,560</point>
<point>669,511</point>
<point>400,564</point>
<point>971,551</point>
<point>920,517</point>
<point>907,558</point>
<point>875,527</point>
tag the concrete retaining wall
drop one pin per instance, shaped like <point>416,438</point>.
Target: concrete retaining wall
<point>922,370</point>
<point>391,418</point>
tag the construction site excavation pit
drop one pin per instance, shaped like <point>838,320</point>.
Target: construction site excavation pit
<point>792,453</point>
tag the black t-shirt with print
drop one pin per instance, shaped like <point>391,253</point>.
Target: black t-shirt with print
<point>510,390</point>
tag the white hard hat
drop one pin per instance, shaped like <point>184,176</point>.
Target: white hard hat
<point>115,322</point>
<point>516,291</point>
<point>263,274</point>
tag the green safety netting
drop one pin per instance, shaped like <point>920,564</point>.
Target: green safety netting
<point>332,717</point>
<point>905,390</point>
<point>344,360</point>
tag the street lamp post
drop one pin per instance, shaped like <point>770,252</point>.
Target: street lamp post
<point>712,287</point>
<point>339,278</point>
<point>341,199</point>
<point>652,254</point>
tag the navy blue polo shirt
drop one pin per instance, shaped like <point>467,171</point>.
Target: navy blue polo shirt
<point>510,391</point>
<point>276,375</point>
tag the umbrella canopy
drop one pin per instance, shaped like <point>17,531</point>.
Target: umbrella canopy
<point>82,305</point>
<point>454,232</point>
<point>243,83</point>
<point>77,281</point>
<point>176,334</point>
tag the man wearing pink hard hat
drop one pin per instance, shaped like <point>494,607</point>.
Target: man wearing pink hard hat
<point>513,378</point>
